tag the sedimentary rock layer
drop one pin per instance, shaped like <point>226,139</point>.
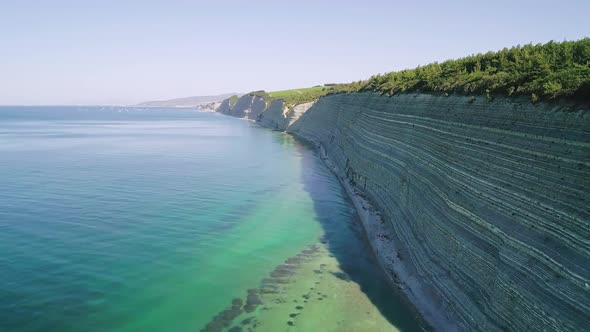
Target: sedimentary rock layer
<point>488,200</point>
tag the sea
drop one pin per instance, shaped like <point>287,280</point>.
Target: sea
<point>163,219</point>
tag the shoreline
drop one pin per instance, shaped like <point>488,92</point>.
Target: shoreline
<point>379,237</point>
<point>384,249</point>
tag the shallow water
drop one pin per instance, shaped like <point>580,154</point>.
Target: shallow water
<point>115,219</point>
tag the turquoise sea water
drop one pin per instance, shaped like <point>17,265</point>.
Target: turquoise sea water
<point>128,219</point>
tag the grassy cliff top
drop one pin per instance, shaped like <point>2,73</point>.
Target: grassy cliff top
<point>296,96</point>
<point>287,94</point>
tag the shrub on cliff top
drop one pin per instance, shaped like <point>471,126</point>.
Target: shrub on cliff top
<point>542,71</point>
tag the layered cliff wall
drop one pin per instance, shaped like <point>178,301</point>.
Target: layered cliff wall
<point>486,201</point>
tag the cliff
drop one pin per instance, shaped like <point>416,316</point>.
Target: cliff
<point>484,203</point>
<point>248,107</point>
<point>279,117</point>
<point>275,116</point>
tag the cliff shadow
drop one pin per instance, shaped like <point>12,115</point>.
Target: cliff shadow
<point>346,240</point>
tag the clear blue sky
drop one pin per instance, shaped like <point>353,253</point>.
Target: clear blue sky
<point>96,52</point>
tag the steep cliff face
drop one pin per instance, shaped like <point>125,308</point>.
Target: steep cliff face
<point>279,117</point>
<point>247,107</point>
<point>487,201</point>
<point>224,107</point>
<point>296,112</point>
<point>274,117</point>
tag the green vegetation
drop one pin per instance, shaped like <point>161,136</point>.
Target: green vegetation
<point>295,96</point>
<point>542,71</point>
<point>295,92</point>
<point>300,96</point>
<point>233,100</point>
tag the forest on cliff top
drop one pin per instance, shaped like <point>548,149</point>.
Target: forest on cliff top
<point>542,71</point>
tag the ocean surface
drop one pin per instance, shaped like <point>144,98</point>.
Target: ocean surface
<point>148,219</point>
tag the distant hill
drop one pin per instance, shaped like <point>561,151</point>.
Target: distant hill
<point>188,101</point>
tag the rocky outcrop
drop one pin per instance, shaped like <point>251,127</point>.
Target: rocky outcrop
<point>485,202</point>
<point>209,107</point>
<point>247,107</point>
<point>296,112</point>
<point>279,117</point>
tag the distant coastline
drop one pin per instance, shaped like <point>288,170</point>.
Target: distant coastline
<point>187,102</point>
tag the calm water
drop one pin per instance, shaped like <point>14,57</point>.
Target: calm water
<point>115,219</point>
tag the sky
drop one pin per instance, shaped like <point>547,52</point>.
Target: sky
<point>125,52</point>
